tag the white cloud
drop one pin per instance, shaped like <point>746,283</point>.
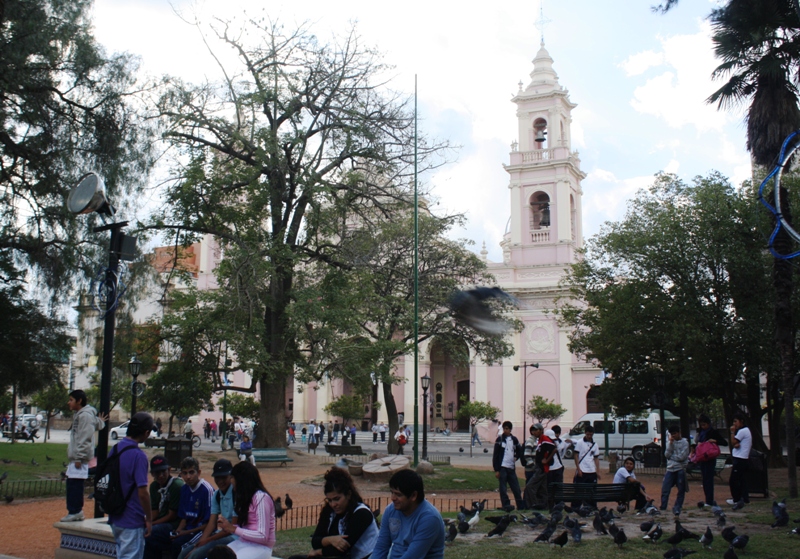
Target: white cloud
<point>638,63</point>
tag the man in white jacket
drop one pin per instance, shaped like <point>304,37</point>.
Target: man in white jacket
<point>85,422</point>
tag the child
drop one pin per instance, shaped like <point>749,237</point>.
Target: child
<point>221,505</point>
<point>625,475</point>
<point>677,454</point>
<point>246,450</point>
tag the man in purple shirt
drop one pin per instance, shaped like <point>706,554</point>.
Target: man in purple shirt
<point>132,526</point>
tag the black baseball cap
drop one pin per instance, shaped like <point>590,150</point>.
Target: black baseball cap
<point>158,464</point>
<point>222,467</point>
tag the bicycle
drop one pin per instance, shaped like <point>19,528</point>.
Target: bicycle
<point>194,438</point>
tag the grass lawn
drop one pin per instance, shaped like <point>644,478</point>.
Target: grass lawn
<point>449,478</point>
<point>21,455</point>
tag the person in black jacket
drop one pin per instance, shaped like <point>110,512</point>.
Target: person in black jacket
<point>507,451</point>
<point>346,527</point>
<point>706,433</point>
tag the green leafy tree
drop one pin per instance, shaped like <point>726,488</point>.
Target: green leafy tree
<point>544,411</point>
<point>348,407</point>
<point>177,390</point>
<point>243,405</point>
<point>298,132</point>
<point>477,411</point>
<point>51,399</point>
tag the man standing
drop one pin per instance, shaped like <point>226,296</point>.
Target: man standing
<point>374,432</point>
<point>336,428</point>
<point>382,431</point>
<point>476,438</point>
<point>587,461</point>
<point>677,454</point>
<point>742,442</point>
<point>411,528</point>
<point>506,452</point>
<point>556,473</point>
<point>312,433</point>
<point>529,450</point>
<point>80,451</point>
<point>133,525</point>
<point>188,429</point>
<point>401,439</point>
<point>536,487</point>
<point>165,498</point>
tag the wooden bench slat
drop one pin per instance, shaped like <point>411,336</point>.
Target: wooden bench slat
<point>271,455</point>
<point>615,492</point>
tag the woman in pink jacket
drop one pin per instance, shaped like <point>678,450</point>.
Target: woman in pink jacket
<point>255,512</point>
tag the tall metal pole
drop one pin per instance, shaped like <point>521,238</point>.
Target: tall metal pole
<point>108,338</point>
<point>416,289</point>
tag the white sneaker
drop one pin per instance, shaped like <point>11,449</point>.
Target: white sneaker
<point>730,502</point>
<point>77,517</point>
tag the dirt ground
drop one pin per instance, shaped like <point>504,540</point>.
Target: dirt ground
<point>27,528</point>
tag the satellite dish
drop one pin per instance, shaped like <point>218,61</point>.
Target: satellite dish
<point>89,197</point>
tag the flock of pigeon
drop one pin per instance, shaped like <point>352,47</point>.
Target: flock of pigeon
<point>560,527</point>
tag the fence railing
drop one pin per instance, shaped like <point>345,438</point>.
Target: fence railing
<point>304,517</point>
<point>33,488</point>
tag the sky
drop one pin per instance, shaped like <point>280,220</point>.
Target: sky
<point>640,81</point>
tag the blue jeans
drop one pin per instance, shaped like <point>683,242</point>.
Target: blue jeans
<point>130,542</point>
<point>74,495</point>
<point>509,476</point>
<point>336,437</point>
<point>677,479</point>
<point>476,438</point>
<point>202,551</point>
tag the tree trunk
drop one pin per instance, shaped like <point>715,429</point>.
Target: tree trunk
<point>784,336</point>
<point>774,407</point>
<point>272,430</point>
<point>391,411</point>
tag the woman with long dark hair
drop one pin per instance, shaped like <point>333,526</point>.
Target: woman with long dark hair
<point>706,433</point>
<point>346,527</point>
<point>255,512</point>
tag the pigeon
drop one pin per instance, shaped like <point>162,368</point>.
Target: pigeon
<point>472,309</point>
<point>701,504</point>
<point>686,534</point>
<point>461,517</point>
<point>717,510</point>
<point>451,533</point>
<point>585,511</point>
<point>461,449</point>
<point>3,477</point>
<point>678,553</point>
<point>675,539</point>
<point>576,534</point>
<point>729,534</point>
<point>622,508</point>
<point>652,510</point>
<point>279,510</point>
<point>795,531</point>
<point>780,513</point>
<point>6,461</point>
<point>496,519</point>
<point>561,540</point>
<point>465,511</point>
<point>475,519</point>
<point>597,524</point>
<point>620,538</point>
<point>740,542</point>
<point>613,529</point>
<point>557,516</point>
<point>480,505</point>
<point>738,506</point>
<point>34,462</point>
<point>544,537</point>
<point>653,529</point>
<point>707,538</point>
<point>646,526</point>
<point>721,520</point>
<point>500,528</point>
<point>571,523</point>
<point>730,554</point>
<point>9,498</point>
<point>287,504</point>
<point>558,507</point>
<point>463,527</point>
<point>48,458</point>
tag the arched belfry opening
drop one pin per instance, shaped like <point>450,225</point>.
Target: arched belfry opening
<point>540,211</point>
<point>540,133</point>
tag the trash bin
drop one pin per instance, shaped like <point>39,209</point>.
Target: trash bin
<point>757,478</point>
<point>652,455</point>
<point>175,450</point>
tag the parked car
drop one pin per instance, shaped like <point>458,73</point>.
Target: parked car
<point>624,433</point>
<point>120,431</point>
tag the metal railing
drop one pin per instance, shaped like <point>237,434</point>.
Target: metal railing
<point>24,489</point>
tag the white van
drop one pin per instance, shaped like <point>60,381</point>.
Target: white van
<point>629,433</point>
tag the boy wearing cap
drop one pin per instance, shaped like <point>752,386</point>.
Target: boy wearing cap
<point>132,526</point>
<point>165,496</point>
<point>221,504</point>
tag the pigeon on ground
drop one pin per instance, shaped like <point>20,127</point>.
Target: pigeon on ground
<point>613,529</point>
<point>701,504</point>
<point>559,506</point>
<point>740,542</point>
<point>716,510</point>
<point>780,513</point>
<point>597,524</point>
<point>475,519</point>
<point>687,535</point>
<point>576,534</point>
<point>496,519</point>
<point>500,528</point>
<point>622,508</point>
<point>653,529</point>
<point>656,534</point>
<point>9,498</point>
<point>721,520</point>
<point>279,510</point>
<point>738,506</point>
<point>707,538</point>
<point>463,527</point>
<point>544,537</point>
<point>620,538</point>
<point>287,504</point>
<point>3,477</point>
<point>675,539</point>
<point>480,505</point>
<point>34,462</point>
<point>730,554</point>
<point>461,517</point>
<point>795,531</point>
<point>6,461</point>
<point>557,516</point>
<point>729,534</point>
<point>561,540</point>
<point>472,308</point>
<point>48,458</point>
<point>646,526</point>
<point>678,553</point>
<point>652,510</point>
<point>584,511</point>
<point>465,511</point>
<point>451,533</point>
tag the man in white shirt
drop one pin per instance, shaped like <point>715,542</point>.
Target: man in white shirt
<point>587,461</point>
<point>312,433</point>
<point>742,442</point>
<point>556,473</point>
<point>506,452</point>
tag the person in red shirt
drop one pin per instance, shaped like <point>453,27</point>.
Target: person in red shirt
<point>536,488</point>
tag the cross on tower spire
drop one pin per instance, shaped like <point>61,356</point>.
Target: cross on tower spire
<point>542,22</point>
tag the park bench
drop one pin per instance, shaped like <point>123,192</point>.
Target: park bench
<point>154,442</point>
<point>271,455</point>
<point>719,466</point>
<point>343,450</point>
<point>591,492</point>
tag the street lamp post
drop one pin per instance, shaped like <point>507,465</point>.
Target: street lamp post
<point>135,367</point>
<point>426,383</point>
<point>525,366</point>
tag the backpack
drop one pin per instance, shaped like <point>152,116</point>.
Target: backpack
<point>401,440</point>
<point>108,484</point>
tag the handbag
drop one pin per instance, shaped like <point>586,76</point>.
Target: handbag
<point>705,451</point>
